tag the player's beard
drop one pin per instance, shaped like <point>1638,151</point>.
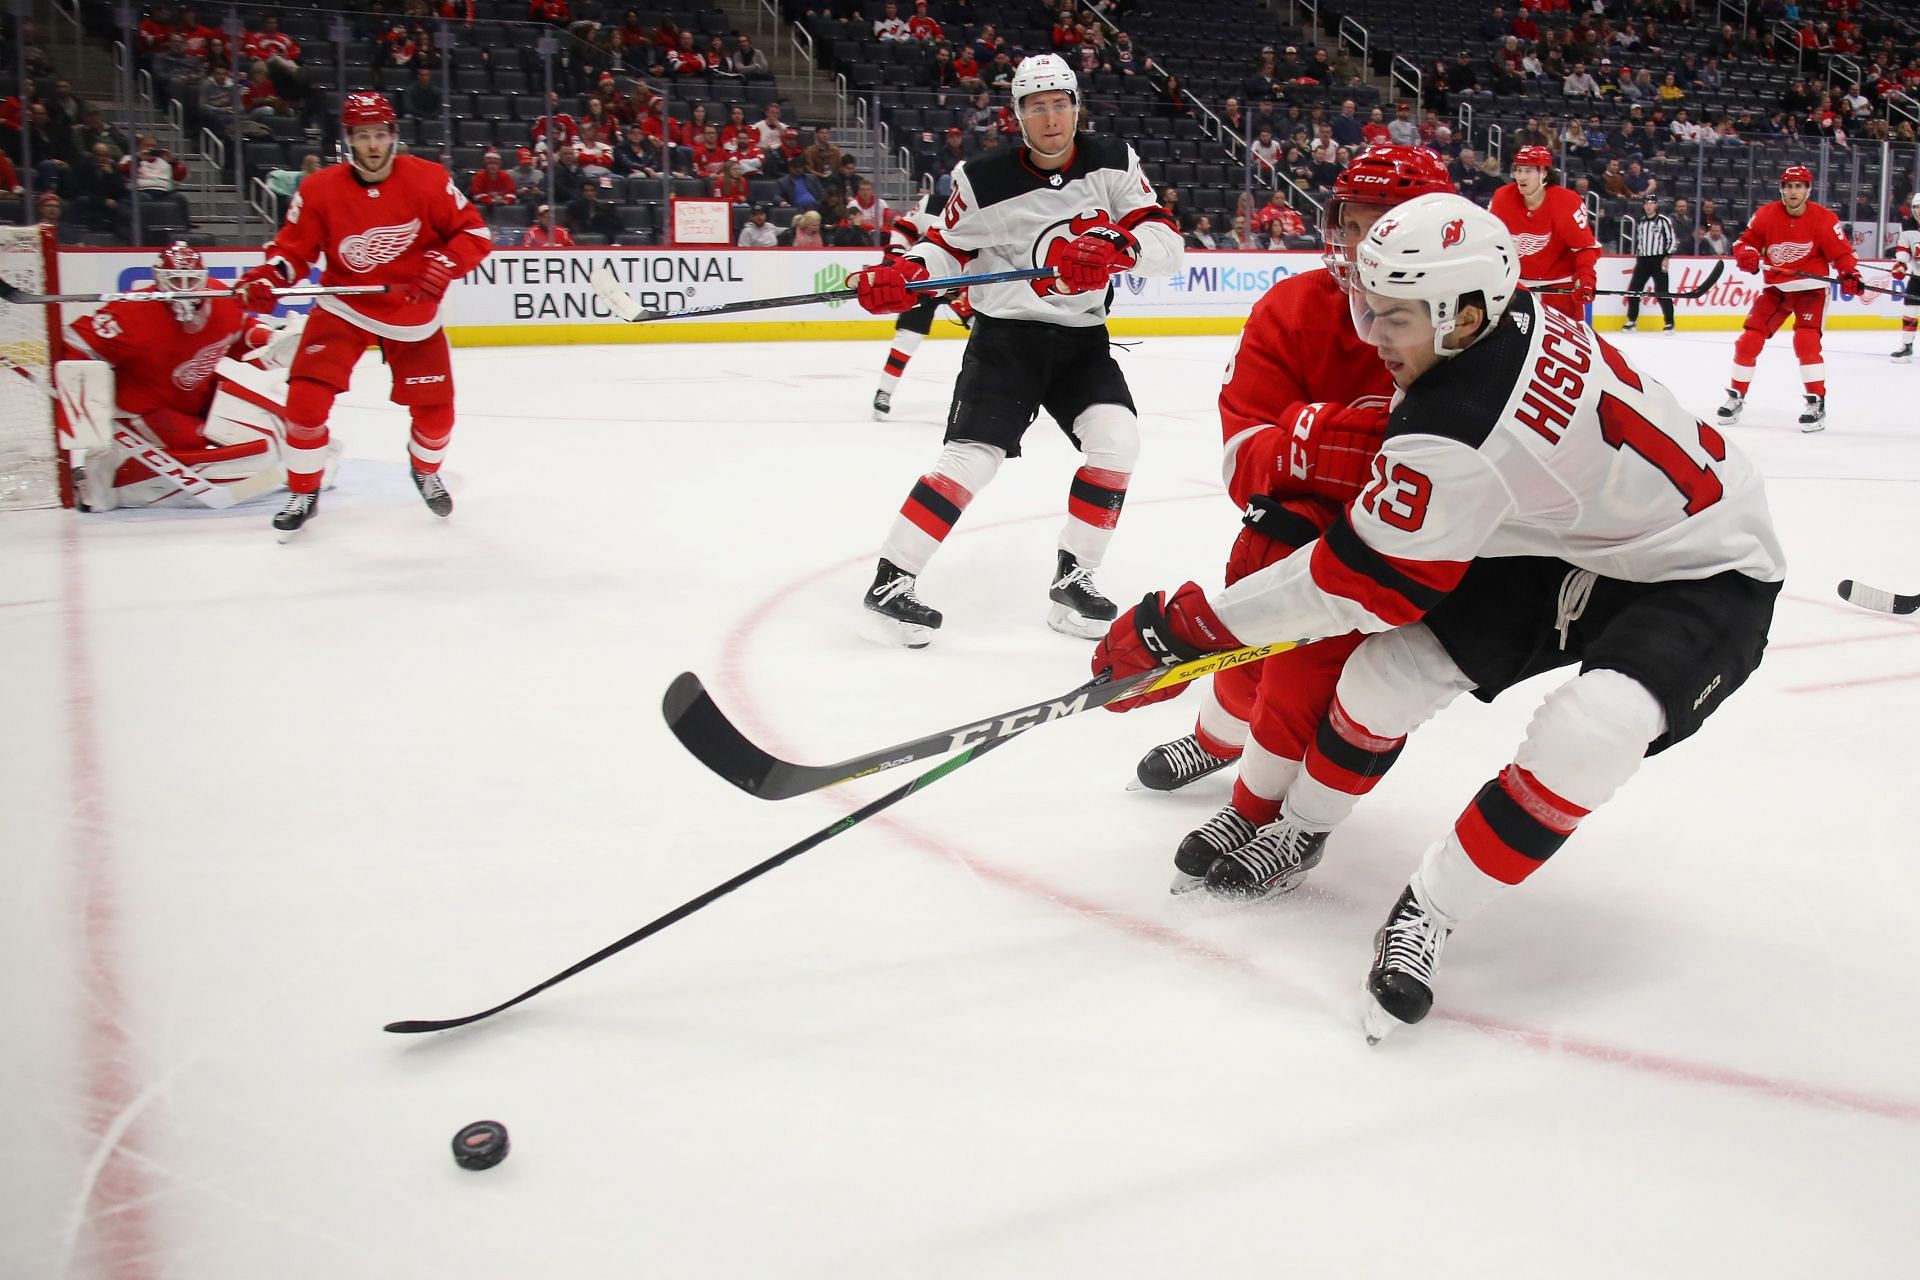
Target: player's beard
<point>377,171</point>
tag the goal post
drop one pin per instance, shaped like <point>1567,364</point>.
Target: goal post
<point>31,470</point>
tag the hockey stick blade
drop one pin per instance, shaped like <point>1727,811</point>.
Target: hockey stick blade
<point>685,909</point>
<point>704,729</point>
<point>1859,593</point>
<point>608,288</point>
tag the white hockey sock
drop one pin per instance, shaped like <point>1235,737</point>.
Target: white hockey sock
<point>1266,775</point>
<point>1449,883</point>
<point>1218,723</point>
<point>934,505</point>
<point>1109,435</point>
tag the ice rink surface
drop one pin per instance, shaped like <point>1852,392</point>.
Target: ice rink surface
<point>261,799</point>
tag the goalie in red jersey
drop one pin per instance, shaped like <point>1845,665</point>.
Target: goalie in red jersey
<point>1550,227</point>
<point>1303,410</point>
<point>384,219</point>
<point>1801,243</point>
<point>164,375</point>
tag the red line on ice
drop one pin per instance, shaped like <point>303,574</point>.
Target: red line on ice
<point>116,1210</point>
<point>732,677</point>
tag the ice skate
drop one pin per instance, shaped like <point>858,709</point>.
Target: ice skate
<point>1730,411</point>
<point>300,508</point>
<point>905,620</point>
<point>1400,983</point>
<point>433,491</point>
<point>1172,765</point>
<point>1904,355</point>
<point>1667,327</point>
<point>1078,607</point>
<point>1224,832</point>
<point>882,405</point>
<point>1814,416</point>
<point>1273,863</point>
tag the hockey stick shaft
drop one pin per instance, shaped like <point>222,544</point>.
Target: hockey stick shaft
<point>164,464</point>
<point>622,304</point>
<point>1869,288</point>
<point>704,729</point>
<point>1877,599</point>
<point>1686,295</point>
<point>10,294</point>
<point>718,891</point>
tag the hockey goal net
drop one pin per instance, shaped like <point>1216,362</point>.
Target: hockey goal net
<point>29,459</point>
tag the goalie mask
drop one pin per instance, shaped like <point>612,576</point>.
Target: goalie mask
<point>180,266</point>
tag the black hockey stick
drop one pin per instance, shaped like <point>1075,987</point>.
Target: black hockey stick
<point>705,730</point>
<point>10,294</point>
<point>1869,288</point>
<point>1698,291</point>
<point>1874,598</point>
<point>718,891</point>
<point>622,303</point>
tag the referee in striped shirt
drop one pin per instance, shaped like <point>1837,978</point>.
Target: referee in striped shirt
<point>1653,240</point>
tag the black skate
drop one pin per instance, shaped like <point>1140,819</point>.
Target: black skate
<point>1172,765</point>
<point>1814,416</point>
<point>299,509</point>
<point>1730,411</point>
<point>908,622</point>
<point>882,405</point>
<point>1273,863</point>
<point>1078,607</point>
<point>1224,832</point>
<point>1904,355</point>
<point>433,491</point>
<point>1400,983</point>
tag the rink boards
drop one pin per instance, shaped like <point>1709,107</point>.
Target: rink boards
<point>535,297</point>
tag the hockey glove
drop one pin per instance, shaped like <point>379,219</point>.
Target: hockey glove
<point>1851,284</point>
<point>437,271</point>
<point>1583,286</point>
<point>1095,257</point>
<point>256,287</point>
<point>1160,631</point>
<point>1899,270</point>
<point>1747,258</point>
<point>962,307</point>
<point>883,289</point>
<point>1275,528</point>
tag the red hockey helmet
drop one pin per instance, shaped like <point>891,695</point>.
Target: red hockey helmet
<point>1539,157</point>
<point>366,107</point>
<point>1379,178</point>
<point>1796,173</point>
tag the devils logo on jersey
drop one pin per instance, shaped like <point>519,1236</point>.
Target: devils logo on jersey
<point>377,246</point>
<point>1050,249</point>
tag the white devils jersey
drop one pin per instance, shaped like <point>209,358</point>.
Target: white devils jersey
<point>910,227</point>
<point>1004,214</point>
<point>1538,440</point>
<point>1907,247</point>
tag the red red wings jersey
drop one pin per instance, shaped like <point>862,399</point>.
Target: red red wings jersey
<point>378,233</point>
<point>1812,242</point>
<point>157,362</point>
<point>1553,239</point>
<point>271,44</point>
<point>1299,348</point>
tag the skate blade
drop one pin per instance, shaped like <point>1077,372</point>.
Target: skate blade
<point>1375,1021</point>
<point>1069,623</point>
<point>284,536</point>
<point>1808,428</point>
<point>909,635</point>
<point>1184,884</point>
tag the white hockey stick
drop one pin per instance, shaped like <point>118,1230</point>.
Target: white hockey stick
<point>217,497</point>
<point>10,294</point>
<point>1876,599</point>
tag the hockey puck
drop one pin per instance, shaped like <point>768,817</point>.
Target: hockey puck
<point>481,1145</point>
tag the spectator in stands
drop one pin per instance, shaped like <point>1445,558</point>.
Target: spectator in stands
<point>1232,117</point>
<point>555,13</point>
<point>1126,59</point>
<point>769,127</point>
<point>566,176</point>
<point>631,43</point>
<point>1242,236</point>
<point>1579,84</point>
<point>1461,77</point>
<point>823,158</point>
<point>491,184</point>
<point>284,182</point>
<point>179,70</point>
<point>1713,239</point>
<point>681,58</point>
<point>1796,100</point>
<point>1403,131</point>
<point>803,189</point>
<point>92,131</point>
<point>1170,201</point>
<point>708,154</point>
<point>922,26</point>
<point>50,209</point>
<point>758,233</point>
<point>1321,70</point>
<point>270,42</point>
<point>1670,91</point>
<point>593,153</point>
<point>219,100</point>
<point>1264,81</point>
<point>102,189</point>
<point>1638,181</point>
<point>421,99</point>
<point>1347,130</point>
<point>1433,87</point>
<point>731,183</point>
<point>748,62</point>
<point>805,232</point>
<point>1573,140</point>
<point>1279,220</point>
<point>1201,235</point>
<point>866,210</point>
<point>1375,131</point>
<point>543,234</point>
<point>152,169</point>
<point>1683,222</point>
<point>999,73</point>
<point>526,175</point>
<point>588,214</point>
<point>846,180</point>
<point>1266,151</point>
<point>1613,181</point>
<point>1172,100</point>
<point>890,25</point>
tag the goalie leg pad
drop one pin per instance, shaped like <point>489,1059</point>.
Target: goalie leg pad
<point>85,405</point>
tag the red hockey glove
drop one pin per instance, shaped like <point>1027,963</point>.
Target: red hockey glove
<point>256,287</point>
<point>883,289</point>
<point>1583,286</point>
<point>962,307</point>
<point>1275,528</point>
<point>437,271</point>
<point>1095,257</point>
<point>1160,632</point>
<point>1747,258</point>
<point>1851,284</point>
<point>1899,271</point>
<point>1340,441</point>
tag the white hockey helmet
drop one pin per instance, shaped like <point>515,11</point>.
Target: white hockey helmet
<point>1436,249</point>
<point>1043,73</point>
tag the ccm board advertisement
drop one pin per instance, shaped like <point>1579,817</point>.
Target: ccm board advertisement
<point>542,296</point>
